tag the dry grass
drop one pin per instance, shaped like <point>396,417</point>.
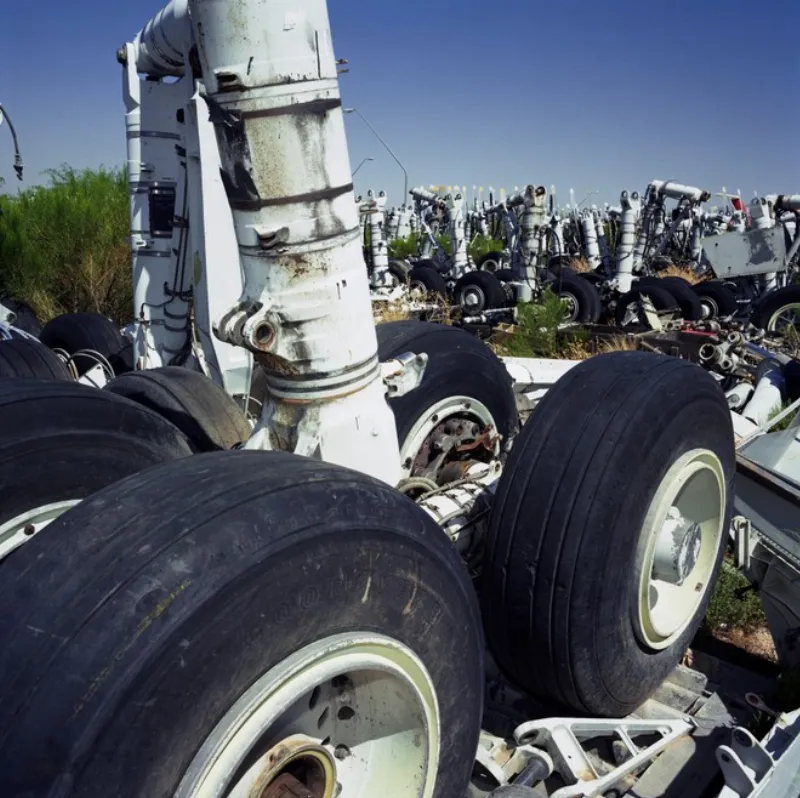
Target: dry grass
<point>94,284</point>
<point>436,309</point>
<point>574,350</point>
<point>683,272</point>
<point>383,312</point>
<point>442,313</point>
<point>580,265</point>
<point>619,343</point>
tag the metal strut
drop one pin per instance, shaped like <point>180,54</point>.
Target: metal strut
<point>269,79</point>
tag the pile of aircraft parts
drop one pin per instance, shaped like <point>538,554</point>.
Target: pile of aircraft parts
<point>381,583</point>
<point>733,261</point>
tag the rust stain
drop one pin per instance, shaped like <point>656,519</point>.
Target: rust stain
<point>276,364</point>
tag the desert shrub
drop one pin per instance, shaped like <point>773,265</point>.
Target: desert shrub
<point>64,246</point>
<point>537,332</point>
<point>480,245</point>
<point>733,603</point>
<point>404,248</point>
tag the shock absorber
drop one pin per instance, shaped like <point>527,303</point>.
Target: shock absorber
<point>392,217</point>
<point>600,233</point>
<point>627,240</point>
<point>373,210</point>
<point>404,219</point>
<point>591,247</point>
<point>305,311</point>
<point>455,208</point>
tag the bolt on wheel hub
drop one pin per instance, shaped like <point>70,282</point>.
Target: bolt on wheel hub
<point>677,548</point>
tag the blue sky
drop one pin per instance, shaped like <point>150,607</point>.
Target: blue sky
<point>593,96</point>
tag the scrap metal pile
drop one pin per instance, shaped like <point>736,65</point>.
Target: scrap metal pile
<point>255,545</point>
<point>666,249</point>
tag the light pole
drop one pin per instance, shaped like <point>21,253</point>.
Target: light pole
<point>386,146</point>
<point>368,158</point>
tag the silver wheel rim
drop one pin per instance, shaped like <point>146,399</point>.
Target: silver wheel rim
<point>710,307</point>
<point>417,289</point>
<point>786,320</point>
<point>435,415</point>
<point>682,534</point>
<point>24,527</point>
<point>359,709</point>
<point>472,298</point>
<point>572,304</point>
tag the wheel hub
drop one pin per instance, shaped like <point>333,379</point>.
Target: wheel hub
<point>22,528</point>
<point>473,298</point>
<point>709,308</point>
<point>786,320</point>
<point>571,306</point>
<point>350,715</point>
<point>677,548</point>
<point>297,767</point>
<point>448,444</point>
<point>682,534</point>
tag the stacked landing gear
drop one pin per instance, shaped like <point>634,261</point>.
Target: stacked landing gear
<point>27,357</point>
<point>241,623</point>
<point>716,299</point>
<point>779,311</point>
<point>708,300</point>
<point>424,280</point>
<point>581,299</point>
<point>88,339</point>
<point>68,347</point>
<point>481,291</point>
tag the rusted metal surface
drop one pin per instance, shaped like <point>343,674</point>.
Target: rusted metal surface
<point>287,786</point>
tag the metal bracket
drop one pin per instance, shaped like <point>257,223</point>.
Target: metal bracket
<point>744,763</point>
<point>741,531</point>
<point>766,768</point>
<point>504,762</point>
<point>561,737</point>
<point>403,373</point>
<point>651,314</point>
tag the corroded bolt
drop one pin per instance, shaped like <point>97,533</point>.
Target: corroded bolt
<point>278,754</point>
<point>341,752</point>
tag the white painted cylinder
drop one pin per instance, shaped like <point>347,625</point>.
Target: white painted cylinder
<point>627,241</point>
<point>591,247</point>
<point>767,398</point>
<point>161,47</point>
<point>739,395</point>
<point>271,78</point>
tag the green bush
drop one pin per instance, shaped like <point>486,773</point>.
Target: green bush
<point>733,604</point>
<point>64,246</point>
<point>784,423</point>
<point>480,245</point>
<point>445,242</point>
<point>404,248</point>
<point>537,330</point>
